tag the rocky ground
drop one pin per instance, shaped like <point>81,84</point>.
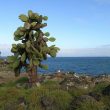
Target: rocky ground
<point>70,79</point>
<point>56,91</point>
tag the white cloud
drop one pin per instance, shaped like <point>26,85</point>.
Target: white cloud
<point>103,50</point>
<point>5,46</point>
<point>5,49</point>
<point>105,46</point>
<point>99,51</point>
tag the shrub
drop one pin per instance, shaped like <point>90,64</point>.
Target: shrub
<point>42,98</point>
<point>9,97</point>
<point>91,106</point>
<point>52,85</point>
<point>106,101</point>
<point>22,80</point>
<point>77,91</point>
<point>100,86</point>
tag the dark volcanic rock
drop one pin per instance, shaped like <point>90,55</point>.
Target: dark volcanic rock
<point>22,101</point>
<point>95,96</point>
<point>47,103</point>
<point>79,100</point>
<point>85,98</point>
<point>106,90</point>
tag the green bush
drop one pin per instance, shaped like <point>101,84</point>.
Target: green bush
<point>22,80</point>
<point>9,97</point>
<point>50,96</point>
<point>100,86</point>
<point>54,99</point>
<point>52,85</point>
<point>106,101</point>
<point>91,106</point>
<point>77,91</point>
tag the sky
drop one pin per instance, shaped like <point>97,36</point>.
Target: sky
<point>81,27</point>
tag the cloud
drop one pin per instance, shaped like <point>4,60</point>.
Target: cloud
<point>105,46</point>
<point>89,52</point>
<point>5,46</point>
<point>100,51</point>
<point>5,49</point>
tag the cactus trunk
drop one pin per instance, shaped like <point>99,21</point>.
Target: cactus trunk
<point>33,76</point>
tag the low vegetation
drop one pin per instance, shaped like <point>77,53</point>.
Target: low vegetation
<point>52,94</point>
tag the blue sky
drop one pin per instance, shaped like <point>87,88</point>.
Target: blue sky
<point>81,27</point>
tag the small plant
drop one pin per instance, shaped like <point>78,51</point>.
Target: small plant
<point>46,99</point>
<point>100,86</point>
<point>9,96</point>
<point>22,80</point>
<point>33,49</point>
<point>77,91</point>
<point>91,106</point>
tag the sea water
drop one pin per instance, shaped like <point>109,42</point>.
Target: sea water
<point>81,65</point>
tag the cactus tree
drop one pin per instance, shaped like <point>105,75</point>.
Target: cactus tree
<point>33,48</point>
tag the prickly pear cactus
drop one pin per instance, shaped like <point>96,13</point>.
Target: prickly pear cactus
<point>33,48</point>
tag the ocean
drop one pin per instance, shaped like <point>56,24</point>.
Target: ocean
<point>81,65</point>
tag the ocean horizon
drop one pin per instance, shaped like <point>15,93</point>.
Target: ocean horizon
<point>81,65</point>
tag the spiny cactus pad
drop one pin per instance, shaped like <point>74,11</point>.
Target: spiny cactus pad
<point>33,48</point>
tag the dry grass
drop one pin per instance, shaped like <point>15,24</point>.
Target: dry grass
<point>6,76</point>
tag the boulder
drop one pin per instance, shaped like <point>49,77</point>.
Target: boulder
<point>47,102</point>
<point>106,91</point>
<point>79,100</point>
<point>95,96</point>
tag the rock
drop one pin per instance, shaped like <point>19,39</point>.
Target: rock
<point>24,85</point>
<point>18,85</point>
<point>41,79</point>
<point>59,75</point>
<point>10,106</point>
<point>2,80</point>
<point>79,100</point>
<point>38,84</point>
<point>95,96</point>
<point>21,100</point>
<point>21,103</point>
<point>76,75</point>
<point>47,102</point>
<point>48,77</point>
<point>106,91</point>
<point>85,98</point>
